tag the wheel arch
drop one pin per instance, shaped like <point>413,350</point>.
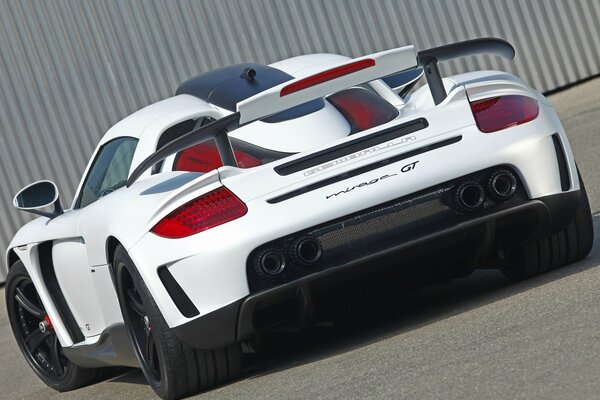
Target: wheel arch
<point>11,258</point>
<point>111,245</point>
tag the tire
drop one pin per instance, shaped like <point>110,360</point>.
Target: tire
<point>172,368</point>
<point>39,344</point>
<point>573,243</point>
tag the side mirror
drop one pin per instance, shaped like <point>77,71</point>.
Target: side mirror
<point>38,195</point>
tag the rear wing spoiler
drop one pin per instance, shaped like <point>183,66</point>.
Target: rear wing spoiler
<point>299,91</point>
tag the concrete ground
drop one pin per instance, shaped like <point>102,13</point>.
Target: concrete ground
<point>477,337</point>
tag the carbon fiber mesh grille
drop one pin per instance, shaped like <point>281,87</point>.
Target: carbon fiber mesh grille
<point>379,222</point>
<point>378,227</point>
<point>181,300</point>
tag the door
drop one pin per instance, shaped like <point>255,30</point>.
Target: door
<point>88,288</point>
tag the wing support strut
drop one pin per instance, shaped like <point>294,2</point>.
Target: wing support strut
<point>428,59</point>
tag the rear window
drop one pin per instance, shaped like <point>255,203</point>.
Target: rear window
<point>362,108</point>
<point>204,157</point>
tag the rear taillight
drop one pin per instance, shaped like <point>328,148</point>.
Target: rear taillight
<point>207,211</point>
<point>498,113</point>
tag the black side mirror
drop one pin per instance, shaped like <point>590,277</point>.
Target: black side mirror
<point>39,195</point>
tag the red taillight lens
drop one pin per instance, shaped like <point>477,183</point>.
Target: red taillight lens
<point>212,209</point>
<point>498,113</point>
<point>325,76</point>
<point>204,157</point>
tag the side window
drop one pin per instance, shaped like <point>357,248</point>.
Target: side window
<point>109,170</point>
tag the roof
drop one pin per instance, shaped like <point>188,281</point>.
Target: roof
<point>226,87</point>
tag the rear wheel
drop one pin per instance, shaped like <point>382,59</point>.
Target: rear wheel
<point>573,243</point>
<point>36,338</point>
<point>172,368</point>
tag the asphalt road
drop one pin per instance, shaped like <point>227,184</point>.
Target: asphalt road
<point>477,337</point>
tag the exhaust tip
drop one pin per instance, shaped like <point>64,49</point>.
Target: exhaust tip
<point>308,250</point>
<point>502,185</point>
<point>469,196</point>
<point>272,262</point>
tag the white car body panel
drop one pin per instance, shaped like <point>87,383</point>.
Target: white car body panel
<point>69,257</point>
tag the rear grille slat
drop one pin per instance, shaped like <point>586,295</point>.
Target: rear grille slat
<point>364,169</point>
<point>565,182</point>
<point>352,146</point>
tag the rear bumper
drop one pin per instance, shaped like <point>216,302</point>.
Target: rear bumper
<point>236,321</point>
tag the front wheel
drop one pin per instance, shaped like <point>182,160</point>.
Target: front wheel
<point>36,338</point>
<point>172,368</point>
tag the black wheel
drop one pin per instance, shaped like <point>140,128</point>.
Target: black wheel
<point>172,368</point>
<point>571,244</point>
<point>35,335</point>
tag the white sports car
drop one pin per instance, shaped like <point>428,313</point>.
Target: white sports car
<point>214,215</point>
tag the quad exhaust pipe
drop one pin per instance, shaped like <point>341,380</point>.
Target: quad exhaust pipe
<point>307,250</point>
<point>502,185</point>
<point>469,196</point>
<point>272,262</point>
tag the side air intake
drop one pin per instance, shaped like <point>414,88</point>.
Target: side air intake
<point>565,181</point>
<point>181,300</point>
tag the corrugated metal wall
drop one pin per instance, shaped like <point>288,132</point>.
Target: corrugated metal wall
<point>71,69</point>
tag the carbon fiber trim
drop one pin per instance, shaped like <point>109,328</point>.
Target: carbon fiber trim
<point>181,300</point>
<point>563,170</point>
<point>56,294</point>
